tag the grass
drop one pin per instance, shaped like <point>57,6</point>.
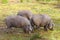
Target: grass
<point>36,8</point>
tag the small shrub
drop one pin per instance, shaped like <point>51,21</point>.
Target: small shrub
<point>35,36</point>
<point>21,1</point>
<point>4,1</point>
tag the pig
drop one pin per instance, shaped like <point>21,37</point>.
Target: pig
<point>18,22</point>
<point>25,13</point>
<point>42,20</point>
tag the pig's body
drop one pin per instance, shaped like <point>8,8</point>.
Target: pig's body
<point>19,22</point>
<point>42,20</point>
<point>25,13</point>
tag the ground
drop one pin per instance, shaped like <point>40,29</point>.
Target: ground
<point>17,34</point>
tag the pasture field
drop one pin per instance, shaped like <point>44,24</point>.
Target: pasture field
<point>17,34</point>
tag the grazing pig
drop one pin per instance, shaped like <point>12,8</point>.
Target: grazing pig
<point>42,20</point>
<point>25,13</point>
<point>19,22</point>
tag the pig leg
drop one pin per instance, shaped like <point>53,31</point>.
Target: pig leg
<point>37,27</point>
<point>25,29</point>
<point>45,28</point>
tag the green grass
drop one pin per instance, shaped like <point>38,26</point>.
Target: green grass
<point>36,8</point>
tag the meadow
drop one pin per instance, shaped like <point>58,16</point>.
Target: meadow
<point>36,8</point>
